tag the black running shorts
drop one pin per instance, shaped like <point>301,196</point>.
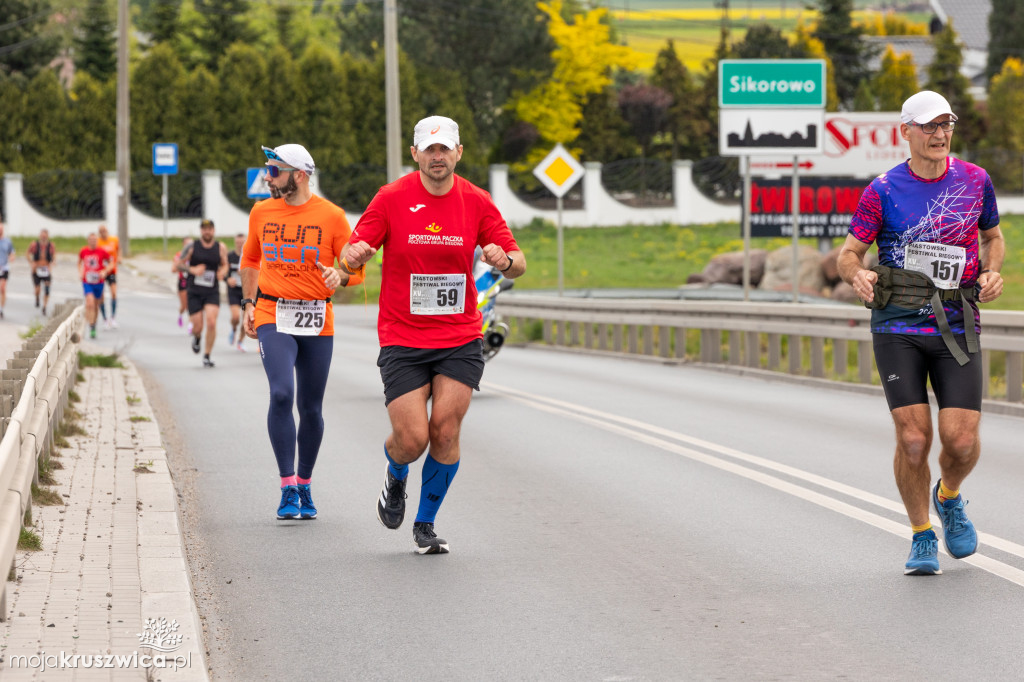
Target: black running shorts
<point>404,369</point>
<point>234,295</point>
<point>111,278</point>
<point>906,361</point>
<point>197,300</point>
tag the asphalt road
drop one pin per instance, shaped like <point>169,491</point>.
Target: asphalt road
<point>612,520</point>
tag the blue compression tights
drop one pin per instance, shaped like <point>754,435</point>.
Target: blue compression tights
<point>296,368</point>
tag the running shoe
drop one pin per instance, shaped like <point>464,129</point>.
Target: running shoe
<point>113,323</point>
<point>195,344</point>
<point>44,311</point>
<point>37,301</point>
<point>92,332</point>
<point>308,509</point>
<point>179,321</point>
<point>427,541</point>
<point>924,555</point>
<point>231,338</point>
<point>240,348</point>
<point>107,325</point>
<point>958,532</point>
<point>391,505</point>
<point>207,362</point>
<point>290,501</point>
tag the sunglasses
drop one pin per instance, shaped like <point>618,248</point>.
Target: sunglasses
<point>274,171</point>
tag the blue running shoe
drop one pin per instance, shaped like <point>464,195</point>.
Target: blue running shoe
<point>289,507</point>
<point>308,509</point>
<point>924,555</point>
<point>958,532</point>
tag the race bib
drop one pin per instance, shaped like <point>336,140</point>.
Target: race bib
<point>301,318</point>
<point>942,262</point>
<point>207,279</point>
<point>42,271</point>
<point>92,277</point>
<point>437,294</point>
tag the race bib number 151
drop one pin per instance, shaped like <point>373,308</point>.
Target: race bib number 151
<point>942,262</point>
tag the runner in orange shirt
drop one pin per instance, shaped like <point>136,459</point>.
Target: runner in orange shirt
<point>288,278</point>
<point>111,245</point>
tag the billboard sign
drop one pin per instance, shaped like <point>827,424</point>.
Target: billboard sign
<point>826,206</point>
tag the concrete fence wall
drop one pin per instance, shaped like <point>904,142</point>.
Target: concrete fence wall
<point>600,209</point>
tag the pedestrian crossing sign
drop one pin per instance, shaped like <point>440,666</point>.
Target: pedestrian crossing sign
<point>256,183</point>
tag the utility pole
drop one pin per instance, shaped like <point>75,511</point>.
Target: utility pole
<point>123,156</point>
<point>392,98</point>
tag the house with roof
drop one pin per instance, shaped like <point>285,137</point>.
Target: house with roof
<point>970,21</point>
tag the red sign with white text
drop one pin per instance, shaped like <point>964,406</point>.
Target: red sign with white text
<point>826,206</point>
<point>855,144</point>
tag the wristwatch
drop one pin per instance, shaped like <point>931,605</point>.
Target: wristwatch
<point>247,301</point>
<point>509,266</point>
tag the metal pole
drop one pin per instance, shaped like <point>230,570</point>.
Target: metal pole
<point>122,134</point>
<point>796,230</point>
<point>164,200</point>
<point>392,94</point>
<point>746,230</point>
<point>561,250</point>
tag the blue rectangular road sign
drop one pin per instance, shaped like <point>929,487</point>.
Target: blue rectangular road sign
<point>165,158</point>
<point>256,183</point>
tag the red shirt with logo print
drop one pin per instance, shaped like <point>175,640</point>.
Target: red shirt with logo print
<point>427,295</point>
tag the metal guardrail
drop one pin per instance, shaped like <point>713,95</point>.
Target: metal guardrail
<point>822,341</point>
<point>38,377</point>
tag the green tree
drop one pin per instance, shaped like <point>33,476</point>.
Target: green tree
<point>1003,145</point>
<point>46,139</point>
<point>764,41</point>
<point>326,80</point>
<point>896,80</point>
<point>584,59</point>
<point>1006,34</point>
<point>246,100</point>
<point>945,78</point>
<point>864,99</point>
<point>156,89</point>
<point>93,123</point>
<point>223,23</point>
<point>806,46</point>
<point>686,124</point>
<point>287,89</point>
<point>200,142</point>
<point>162,22</point>
<point>30,38</point>
<point>604,134</point>
<point>843,45</point>
<point>96,44</point>
<point>12,94</point>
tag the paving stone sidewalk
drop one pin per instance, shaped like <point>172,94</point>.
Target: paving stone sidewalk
<point>111,583</point>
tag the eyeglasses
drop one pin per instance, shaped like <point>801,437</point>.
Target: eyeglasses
<point>930,128</point>
<point>274,171</point>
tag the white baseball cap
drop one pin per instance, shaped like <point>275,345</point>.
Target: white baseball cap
<point>925,106</point>
<point>295,155</point>
<point>436,129</point>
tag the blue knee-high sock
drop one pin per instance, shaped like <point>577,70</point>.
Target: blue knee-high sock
<point>399,471</point>
<point>113,307</point>
<point>103,309</point>
<point>436,479</point>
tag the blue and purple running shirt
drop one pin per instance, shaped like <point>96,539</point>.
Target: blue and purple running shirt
<point>899,209</point>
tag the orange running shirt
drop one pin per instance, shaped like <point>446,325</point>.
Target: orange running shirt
<point>111,245</point>
<point>285,243</point>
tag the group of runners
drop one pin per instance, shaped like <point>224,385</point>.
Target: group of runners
<point>97,266</point>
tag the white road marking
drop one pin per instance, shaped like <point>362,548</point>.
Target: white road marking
<point>634,429</point>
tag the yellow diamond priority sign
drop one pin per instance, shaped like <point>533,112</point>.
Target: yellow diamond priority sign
<point>559,171</point>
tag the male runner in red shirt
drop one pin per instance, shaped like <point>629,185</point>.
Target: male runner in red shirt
<point>431,221</point>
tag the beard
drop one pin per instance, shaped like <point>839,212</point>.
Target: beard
<point>289,188</point>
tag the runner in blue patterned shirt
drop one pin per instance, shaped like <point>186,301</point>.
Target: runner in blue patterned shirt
<point>6,251</point>
<point>934,215</point>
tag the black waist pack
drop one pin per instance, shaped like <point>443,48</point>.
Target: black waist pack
<point>913,290</point>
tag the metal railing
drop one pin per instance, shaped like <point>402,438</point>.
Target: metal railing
<point>33,397</point>
<point>821,341</point>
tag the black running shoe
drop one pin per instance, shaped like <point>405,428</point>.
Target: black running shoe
<point>207,362</point>
<point>426,539</point>
<point>195,344</point>
<point>391,505</point>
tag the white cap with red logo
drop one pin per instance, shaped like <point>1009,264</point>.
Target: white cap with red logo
<point>434,129</point>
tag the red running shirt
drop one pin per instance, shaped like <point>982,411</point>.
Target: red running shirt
<point>95,260</point>
<point>426,235</point>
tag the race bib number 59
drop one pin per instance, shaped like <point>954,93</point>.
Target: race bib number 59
<point>942,262</point>
<point>437,294</point>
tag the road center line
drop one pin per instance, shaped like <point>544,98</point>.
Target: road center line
<point>634,429</point>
